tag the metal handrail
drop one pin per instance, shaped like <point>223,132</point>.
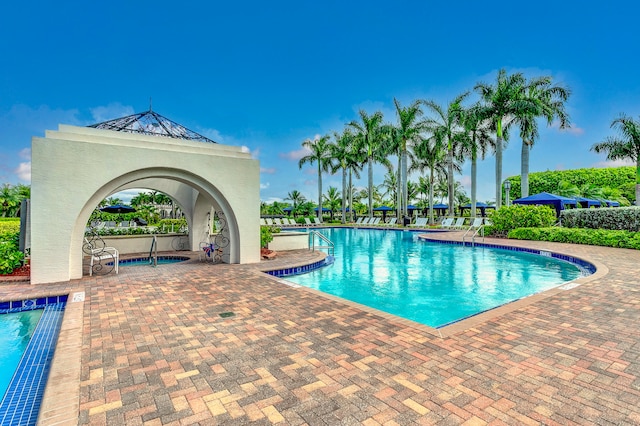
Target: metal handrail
<point>473,237</point>
<point>312,242</point>
<point>153,255</point>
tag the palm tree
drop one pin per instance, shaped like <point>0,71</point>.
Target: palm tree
<point>390,185</point>
<point>626,146</point>
<point>549,103</point>
<point>321,155</point>
<point>296,198</point>
<point>344,154</point>
<point>333,199</point>
<point>500,104</point>
<point>370,140</point>
<point>112,201</point>
<point>447,125</point>
<point>430,155</point>
<point>9,200</point>
<point>474,142</point>
<point>567,189</point>
<point>408,131</point>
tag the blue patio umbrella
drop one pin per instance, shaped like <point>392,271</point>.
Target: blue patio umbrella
<point>118,208</point>
<point>544,198</point>
<point>479,205</point>
<point>612,203</point>
<point>384,210</point>
<point>324,209</point>
<point>588,202</point>
<point>288,209</point>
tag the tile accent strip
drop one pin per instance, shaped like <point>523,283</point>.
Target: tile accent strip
<point>301,269</point>
<point>21,402</point>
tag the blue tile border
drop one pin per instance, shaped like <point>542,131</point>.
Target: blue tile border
<point>585,267</point>
<point>21,403</point>
<point>126,262</point>
<point>286,272</point>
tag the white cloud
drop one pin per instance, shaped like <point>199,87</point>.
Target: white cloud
<point>24,171</point>
<point>270,200</point>
<point>25,154</point>
<point>268,170</point>
<point>110,112</point>
<point>264,185</point>
<point>296,154</point>
<point>213,134</point>
<point>613,163</point>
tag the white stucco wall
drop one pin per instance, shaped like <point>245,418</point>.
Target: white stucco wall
<point>74,168</point>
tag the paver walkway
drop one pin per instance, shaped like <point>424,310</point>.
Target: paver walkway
<point>210,344</point>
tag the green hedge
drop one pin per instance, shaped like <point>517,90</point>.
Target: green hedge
<point>9,224</point>
<point>10,256</point>
<point>594,237</point>
<point>616,218</point>
<point>506,219</point>
<point>623,178</point>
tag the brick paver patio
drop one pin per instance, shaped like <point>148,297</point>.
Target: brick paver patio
<point>158,348</point>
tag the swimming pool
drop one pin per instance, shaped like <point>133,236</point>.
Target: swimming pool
<point>430,283</point>
<point>16,329</point>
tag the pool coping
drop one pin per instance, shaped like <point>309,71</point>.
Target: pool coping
<point>60,404</point>
<point>471,321</point>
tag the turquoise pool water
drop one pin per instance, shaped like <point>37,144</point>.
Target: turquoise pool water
<point>430,283</point>
<point>16,330</point>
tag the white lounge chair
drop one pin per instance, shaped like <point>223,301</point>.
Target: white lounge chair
<point>262,222</point>
<point>392,221</point>
<point>359,221</point>
<point>376,221</point>
<point>365,221</point>
<point>276,221</point>
<point>447,223</point>
<point>291,222</point>
<point>269,221</point>
<point>459,224</point>
<point>477,223</point>
<point>308,222</point>
<point>317,221</point>
<point>421,222</point>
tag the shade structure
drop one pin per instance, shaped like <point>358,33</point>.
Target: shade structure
<point>479,205</point>
<point>118,208</point>
<point>384,210</point>
<point>612,203</point>
<point>288,209</point>
<point>587,202</point>
<point>544,198</point>
<point>324,209</point>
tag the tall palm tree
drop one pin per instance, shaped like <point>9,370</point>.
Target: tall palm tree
<point>549,100</point>
<point>408,130</point>
<point>626,146</point>
<point>345,159</point>
<point>296,198</point>
<point>390,185</point>
<point>333,199</point>
<point>370,140</point>
<point>474,143</point>
<point>321,155</point>
<point>500,104</point>
<point>429,154</point>
<point>447,125</point>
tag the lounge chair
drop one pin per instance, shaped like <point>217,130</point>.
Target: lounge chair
<point>359,221</point>
<point>269,221</point>
<point>277,222</point>
<point>317,221</point>
<point>392,222</point>
<point>308,222</point>
<point>459,224</point>
<point>477,223</point>
<point>292,222</point>
<point>421,222</point>
<point>447,223</point>
<point>262,222</point>
<point>375,221</point>
<point>365,221</point>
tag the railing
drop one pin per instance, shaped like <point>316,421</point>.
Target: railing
<point>328,243</point>
<point>478,230</point>
<point>153,251</point>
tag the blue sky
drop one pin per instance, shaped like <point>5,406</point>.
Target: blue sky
<point>268,75</point>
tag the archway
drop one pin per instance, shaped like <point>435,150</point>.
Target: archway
<point>74,168</point>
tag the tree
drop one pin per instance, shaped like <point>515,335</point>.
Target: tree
<point>626,146</point>
<point>500,104</point>
<point>447,126</point>
<point>390,185</point>
<point>9,200</point>
<point>430,155</point>
<point>408,131</point>
<point>345,156</point>
<point>333,199</point>
<point>548,102</point>
<point>370,140</point>
<point>320,153</point>
<point>296,198</point>
<point>474,142</point>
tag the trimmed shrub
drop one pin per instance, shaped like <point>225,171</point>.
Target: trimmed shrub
<point>9,224</point>
<point>594,237</point>
<point>506,219</point>
<point>10,256</point>
<point>616,218</point>
<point>266,234</point>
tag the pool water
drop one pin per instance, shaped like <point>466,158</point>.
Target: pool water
<point>431,283</point>
<point>16,330</point>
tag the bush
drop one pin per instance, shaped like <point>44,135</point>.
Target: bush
<point>178,225</point>
<point>616,218</point>
<point>506,219</point>
<point>10,256</point>
<point>594,237</point>
<point>9,224</point>
<point>266,234</point>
